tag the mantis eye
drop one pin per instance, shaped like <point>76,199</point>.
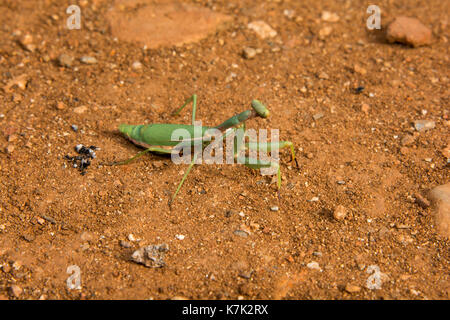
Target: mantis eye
<point>260,109</point>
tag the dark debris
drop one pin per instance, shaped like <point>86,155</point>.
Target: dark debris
<point>83,161</point>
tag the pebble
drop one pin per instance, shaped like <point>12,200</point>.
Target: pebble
<point>27,43</point>
<point>80,109</point>
<point>60,105</point>
<point>365,108</point>
<point>74,127</point>
<point>274,208</point>
<point>318,116</point>
<point>409,31</point>
<point>15,291</point>
<point>28,237</point>
<point>9,149</point>
<point>249,53</point>
<point>339,213</point>
<point>262,29</point>
<point>151,256</point>
<point>49,219</point>
<point>328,16</point>
<point>65,60</point>
<point>87,236</point>
<point>230,77</point>
<point>440,197</point>
<point>125,244</point>
<point>325,32</point>
<point>313,265</point>
<point>88,60</point>
<point>19,81</point>
<point>179,236</point>
<point>137,65</point>
<point>351,288</point>
<point>290,14</point>
<point>358,69</point>
<point>246,274</point>
<point>421,201</point>
<point>407,140</point>
<point>323,76</point>
<point>424,125</point>
<point>131,237</point>
<point>241,233</point>
<point>12,138</point>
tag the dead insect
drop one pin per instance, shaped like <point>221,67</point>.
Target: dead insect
<point>83,160</point>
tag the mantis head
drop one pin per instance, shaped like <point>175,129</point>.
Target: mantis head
<point>260,109</point>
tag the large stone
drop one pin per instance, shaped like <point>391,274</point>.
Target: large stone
<point>440,196</point>
<point>408,31</point>
<point>151,256</point>
<point>163,22</point>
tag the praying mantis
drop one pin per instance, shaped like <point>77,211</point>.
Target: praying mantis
<point>158,138</point>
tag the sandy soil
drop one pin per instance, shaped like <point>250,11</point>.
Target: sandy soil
<point>351,150</point>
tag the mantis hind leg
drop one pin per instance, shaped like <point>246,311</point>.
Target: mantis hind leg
<point>151,149</point>
<point>192,99</point>
<point>183,179</point>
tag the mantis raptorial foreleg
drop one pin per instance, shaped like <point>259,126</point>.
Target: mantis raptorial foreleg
<point>256,164</point>
<point>269,146</point>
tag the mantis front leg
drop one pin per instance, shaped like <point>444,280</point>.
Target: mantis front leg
<point>269,146</point>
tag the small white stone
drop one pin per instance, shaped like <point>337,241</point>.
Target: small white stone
<point>313,265</point>
<point>136,65</point>
<point>88,60</point>
<point>329,16</point>
<point>179,236</point>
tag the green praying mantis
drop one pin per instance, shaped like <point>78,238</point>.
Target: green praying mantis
<point>158,138</point>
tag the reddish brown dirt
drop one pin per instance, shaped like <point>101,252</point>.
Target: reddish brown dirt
<point>361,146</point>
